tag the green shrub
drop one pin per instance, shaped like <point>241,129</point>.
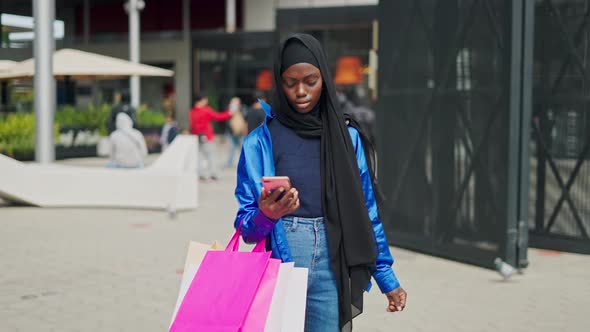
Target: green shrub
<point>149,118</point>
<point>91,117</point>
<point>17,130</point>
<point>17,134</point>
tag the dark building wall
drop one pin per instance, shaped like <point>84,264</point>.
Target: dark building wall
<point>158,15</point>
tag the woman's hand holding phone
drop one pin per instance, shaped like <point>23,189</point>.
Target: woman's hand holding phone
<point>275,208</point>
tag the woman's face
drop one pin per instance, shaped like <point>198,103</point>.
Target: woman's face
<point>302,84</point>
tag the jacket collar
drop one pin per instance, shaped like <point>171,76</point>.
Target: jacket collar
<point>267,108</point>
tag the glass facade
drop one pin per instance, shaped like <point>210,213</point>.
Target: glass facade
<point>224,73</point>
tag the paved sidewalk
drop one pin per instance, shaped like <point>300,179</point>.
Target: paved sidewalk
<point>119,270</point>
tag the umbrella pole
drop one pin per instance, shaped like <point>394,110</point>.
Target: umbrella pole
<point>70,90</point>
<point>94,92</point>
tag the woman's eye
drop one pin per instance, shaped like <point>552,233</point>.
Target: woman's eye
<point>312,83</point>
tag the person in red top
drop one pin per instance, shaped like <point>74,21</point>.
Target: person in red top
<point>201,116</point>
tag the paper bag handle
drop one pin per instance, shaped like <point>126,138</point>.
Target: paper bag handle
<point>234,243</point>
<point>260,246</point>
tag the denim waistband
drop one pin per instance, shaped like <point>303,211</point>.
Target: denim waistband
<point>301,220</point>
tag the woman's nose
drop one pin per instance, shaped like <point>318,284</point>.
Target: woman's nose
<point>300,92</point>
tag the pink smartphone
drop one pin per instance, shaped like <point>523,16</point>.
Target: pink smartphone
<point>270,183</point>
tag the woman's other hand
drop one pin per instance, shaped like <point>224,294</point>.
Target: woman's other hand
<point>273,209</point>
<point>396,299</point>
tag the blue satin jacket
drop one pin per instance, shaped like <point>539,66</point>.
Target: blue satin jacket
<point>256,161</point>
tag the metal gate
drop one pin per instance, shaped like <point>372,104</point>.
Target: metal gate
<point>451,103</point>
<point>560,167</point>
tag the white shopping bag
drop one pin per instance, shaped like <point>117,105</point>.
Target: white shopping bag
<point>287,309</point>
<point>295,302</point>
<point>275,313</point>
<point>194,257</point>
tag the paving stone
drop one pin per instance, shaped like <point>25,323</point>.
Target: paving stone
<point>91,270</point>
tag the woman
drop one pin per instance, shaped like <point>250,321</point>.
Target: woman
<point>328,222</point>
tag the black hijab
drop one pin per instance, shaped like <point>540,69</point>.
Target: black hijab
<point>351,241</point>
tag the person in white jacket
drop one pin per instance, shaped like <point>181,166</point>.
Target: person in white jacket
<point>128,148</point>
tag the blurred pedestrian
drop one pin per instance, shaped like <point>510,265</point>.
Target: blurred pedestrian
<point>327,220</point>
<point>122,105</point>
<point>237,129</point>
<point>169,132</point>
<point>128,148</point>
<point>255,115</point>
<point>201,116</point>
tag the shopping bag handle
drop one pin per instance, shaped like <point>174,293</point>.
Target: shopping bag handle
<point>234,243</point>
<point>260,246</point>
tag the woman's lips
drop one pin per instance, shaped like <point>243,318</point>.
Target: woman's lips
<point>303,105</point>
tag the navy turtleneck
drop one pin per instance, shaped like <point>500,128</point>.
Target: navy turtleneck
<point>299,159</point>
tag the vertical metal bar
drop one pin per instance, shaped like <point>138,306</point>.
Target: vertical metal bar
<point>196,72</point>
<point>232,75</point>
<point>230,15</point>
<point>514,103</point>
<point>86,21</point>
<point>186,20</point>
<point>44,13</point>
<point>188,41</point>
<point>443,134</point>
<point>541,177</point>
<point>543,133</point>
<point>133,13</point>
<point>3,35</point>
<point>525,132</point>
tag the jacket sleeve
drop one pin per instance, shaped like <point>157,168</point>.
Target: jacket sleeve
<point>255,225</point>
<point>218,116</point>
<point>383,271</point>
<point>172,134</point>
<point>192,122</point>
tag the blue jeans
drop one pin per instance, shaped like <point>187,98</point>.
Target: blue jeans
<point>235,142</point>
<point>207,158</point>
<point>309,248</point>
<point>113,164</point>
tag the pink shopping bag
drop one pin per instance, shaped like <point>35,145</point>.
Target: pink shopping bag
<point>231,291</point>
<point>258,313</point>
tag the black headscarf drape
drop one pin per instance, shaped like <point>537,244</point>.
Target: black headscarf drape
<point>351,241</point>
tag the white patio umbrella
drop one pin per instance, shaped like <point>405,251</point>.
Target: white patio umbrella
<point>6,65</point>
<point>77,64</point>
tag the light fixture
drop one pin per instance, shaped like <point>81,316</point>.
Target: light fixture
<point>264,80</point>
<point>349,70</point>
<point>27,22</point>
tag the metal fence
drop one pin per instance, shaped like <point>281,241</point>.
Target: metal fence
<point>452,99</point>
<point>560,167</point>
